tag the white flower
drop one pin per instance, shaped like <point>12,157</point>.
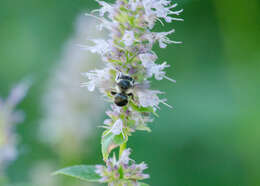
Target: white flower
<point>117,128</point>
<point>98,78</point>
<point>164,40</point>
<point>8,152</point>
<point>101,47</point>
<point>124,158</point>
<point>105,8</point>
<point>134,4</point>
<point>147,58</point>
<point>142,166</point>
<point>108,121</point>
<point>18,93</point>
<point>128,38</point>
<point>148,98</point>
<point>152,68</point>
<point>8,118</point>
<point>69,110</point>
<point>141,121</point>
<point>169,19</point>
<point>99,169</point>
<point>155,9</point>
<point>158,72</point>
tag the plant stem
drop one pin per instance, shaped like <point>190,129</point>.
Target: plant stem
<point>122,148</point>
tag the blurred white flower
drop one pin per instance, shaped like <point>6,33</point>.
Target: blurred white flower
<point>9,117</point>
<point>70,111</point>
<point>40,174</point>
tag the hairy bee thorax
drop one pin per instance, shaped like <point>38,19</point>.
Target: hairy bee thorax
<point>123,89</point>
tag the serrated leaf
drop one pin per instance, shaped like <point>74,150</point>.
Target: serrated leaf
<point>82,172</point>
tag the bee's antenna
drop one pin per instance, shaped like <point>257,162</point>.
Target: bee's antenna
<point>118,75</point>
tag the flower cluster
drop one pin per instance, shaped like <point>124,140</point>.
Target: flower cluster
<point>122,172</point>
<point>129,64</point>
<point>8,118</point>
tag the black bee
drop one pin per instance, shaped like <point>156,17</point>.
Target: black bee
<point>123,90</point>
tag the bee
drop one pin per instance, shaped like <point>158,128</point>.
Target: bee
<point>123,89</point>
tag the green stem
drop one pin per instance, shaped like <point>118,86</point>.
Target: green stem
<point>122,148</point>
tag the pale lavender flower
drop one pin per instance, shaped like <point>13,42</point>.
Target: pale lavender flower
<point>117,128</point>
<point>9,117</point>
<point>161,9</point>
<point>134,4</point>
<point>149,98</point>
<point>128,38</point>
<point>98,79</point>
<point>101,47</point>
<point>156,9</point>
<point>152,68</point>
<point>164,40</point>
<point>158,72</point>
<point>123,171</point>
<point>124,159</point>
<point>18,93</point>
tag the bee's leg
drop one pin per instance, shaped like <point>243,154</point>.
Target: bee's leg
<point>131,95</point>
<point>113,93</point>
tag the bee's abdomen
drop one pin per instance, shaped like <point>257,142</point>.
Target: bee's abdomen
<point>121,99</point>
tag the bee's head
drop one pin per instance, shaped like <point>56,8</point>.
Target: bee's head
<point>124,82</point>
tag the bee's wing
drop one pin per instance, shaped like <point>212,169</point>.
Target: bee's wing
<point>144,85</point>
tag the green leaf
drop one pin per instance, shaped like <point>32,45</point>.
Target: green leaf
<point>107,144</point>
<point>119,139</point>
<point>82,172</point>
<point>110,141</point>
<point>142,109</point>
<point>131,123</point>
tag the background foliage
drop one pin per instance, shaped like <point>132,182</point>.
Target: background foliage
<point>212,135</point>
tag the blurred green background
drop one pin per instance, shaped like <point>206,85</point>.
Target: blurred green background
<point>211,138</point>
